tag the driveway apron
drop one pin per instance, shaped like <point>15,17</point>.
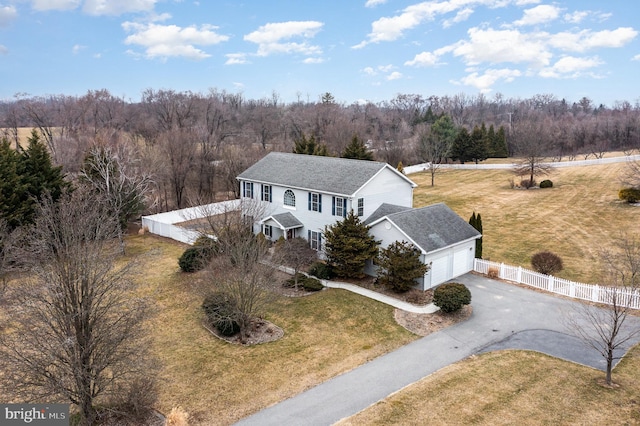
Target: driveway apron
<point>504,316</point>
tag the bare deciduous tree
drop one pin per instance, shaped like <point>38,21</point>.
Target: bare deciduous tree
<point>75,327</point>
<point>532,145</point>
<point>115,175</point>
<point>607,329</point>
<point>297,253</point>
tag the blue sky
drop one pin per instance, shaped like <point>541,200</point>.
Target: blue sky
<point>359,50</point>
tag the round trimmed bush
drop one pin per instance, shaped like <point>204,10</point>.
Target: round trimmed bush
<point>451,297</point>
<point>191,260</point>
<point>546,262</point>
<point>630,195</point>
<point>312,284</point>
<point>220,311</point>
<point>546,184</point>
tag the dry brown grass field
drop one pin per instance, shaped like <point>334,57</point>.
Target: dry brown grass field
<point>326,333</point>
<point>576,218</point>
<point>513,388</point>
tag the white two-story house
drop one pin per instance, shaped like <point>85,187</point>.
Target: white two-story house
<point>301,194</point>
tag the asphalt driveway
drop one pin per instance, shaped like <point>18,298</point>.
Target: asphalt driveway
<point>504,316</point>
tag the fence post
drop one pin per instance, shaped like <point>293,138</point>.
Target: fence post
<point>572,289</point>
<point>519,275</point>
<point>501,271</point>
<point>550,284</point>
<point>594,293</point>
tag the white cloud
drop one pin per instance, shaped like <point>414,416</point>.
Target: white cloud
<point>569,66</point>
<point>461,16</point>
<point>42,5</point>
<point>483,82</point>
<point>270,38</point>
<point>77,48</point>
<point>238,85</point>
<point>539,15</point>
<point>576,17</point>
<point>236,59</point>
<point>3,50</point>
<point>584,40</point>
<point>313,61</point>
<point>164,41</point>
<point>7,15</point>
<point>117,7</point>
<point>424,59</point>
<point>500,46</point>
<point>394,76</point>
<point>374,3</point>
<point>636,58</point>
<point>394,27</point>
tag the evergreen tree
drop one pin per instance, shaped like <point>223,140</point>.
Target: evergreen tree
<point>478,150</point>
<point>500,148</point>
<point>491,142</point>
<point>14,198</point>
<point>400,266</point>
<point>476,222</point>
<point>309,146</point>
<point>357,150</point>
<point>461,149</point>
<point>25,178</point>
<point>348,246</point>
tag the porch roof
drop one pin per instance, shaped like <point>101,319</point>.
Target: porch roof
<point>284,221</point>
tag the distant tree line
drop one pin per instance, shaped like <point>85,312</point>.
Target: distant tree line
<point>194,144</point>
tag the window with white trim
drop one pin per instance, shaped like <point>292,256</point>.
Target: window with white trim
<point>289,198</point>
<point>315,240</point>
<point>247,189</point>
<point>360,206</point>
<point>267,230</point>
<point>339,207</point>
<point>315,202</point>
<point>266,193</point>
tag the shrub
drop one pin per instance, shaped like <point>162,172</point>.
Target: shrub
<point>178,417</point>
<point>192,260</point>
<point>199,254</point>
<point>312,284</point>
<point>307,283</point>
<point>546,262</point>
<point>527,183</point>
<point>630,195</point>
<point>451,297</point>
<point>221,312</point>
<point>493,272</point>
<point>322,271</point>
<point>546,184</point>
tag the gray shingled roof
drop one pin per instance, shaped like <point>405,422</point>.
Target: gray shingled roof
<point>287,220</point>
<point>323,174</point>
<point>433,227</point>
<point>384,210</point>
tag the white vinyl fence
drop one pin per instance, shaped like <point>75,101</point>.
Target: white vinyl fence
<point>590,292</point>
<point>163,224</point>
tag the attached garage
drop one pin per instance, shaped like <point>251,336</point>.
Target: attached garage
<point>446,240</point>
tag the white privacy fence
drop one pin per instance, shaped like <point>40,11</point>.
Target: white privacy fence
<point>164,224</point>
<point>590,292</point>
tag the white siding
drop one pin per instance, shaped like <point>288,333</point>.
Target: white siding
<point>386,187</point>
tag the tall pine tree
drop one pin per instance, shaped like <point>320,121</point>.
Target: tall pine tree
<point>357,150</point>
<point>476,222</point>
<point>348,245</point>
<point>400,266</point>
<point>309,146</point>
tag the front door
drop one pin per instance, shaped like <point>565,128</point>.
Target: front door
<point>291,233</point>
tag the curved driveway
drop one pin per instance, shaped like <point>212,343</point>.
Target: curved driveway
<point>504,316</point>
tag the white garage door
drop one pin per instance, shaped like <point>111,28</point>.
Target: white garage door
<point>439,270</point>
<point>461,262</point>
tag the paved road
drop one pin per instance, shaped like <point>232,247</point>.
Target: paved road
<point>504,316</point>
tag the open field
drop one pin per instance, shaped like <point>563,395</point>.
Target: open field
<point>513,388</point>
<point>575,219</point>
<point>326,334</point>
